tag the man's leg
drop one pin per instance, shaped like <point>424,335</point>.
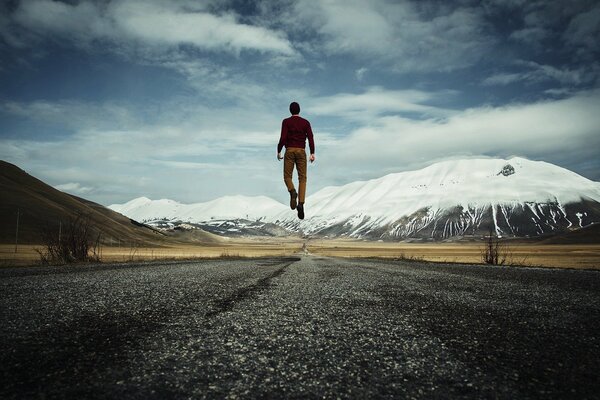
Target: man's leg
<point>301,166</point>
<point>288,170</point>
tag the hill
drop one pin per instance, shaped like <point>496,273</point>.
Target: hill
<point>42,207</point>
<point>587,235</point>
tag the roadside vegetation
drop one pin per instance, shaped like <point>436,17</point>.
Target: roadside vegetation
<point>497,252</point>
<point>74,241</point>
<point>494,252</point>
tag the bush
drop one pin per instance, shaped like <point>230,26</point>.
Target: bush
<point>494,252</point>
<point>75,242</point>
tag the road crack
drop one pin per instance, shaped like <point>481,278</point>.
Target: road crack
<point>229,302</point>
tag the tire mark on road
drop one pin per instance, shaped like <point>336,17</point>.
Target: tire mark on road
<point>244,293</point>
<point>71,352</point>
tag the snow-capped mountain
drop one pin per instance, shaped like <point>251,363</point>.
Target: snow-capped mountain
<point>450,199</point>
<point>224,208</point>
<point>515,197</point>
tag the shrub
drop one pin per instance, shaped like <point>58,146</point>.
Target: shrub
<point>75,242</point>
<point>494,252</point>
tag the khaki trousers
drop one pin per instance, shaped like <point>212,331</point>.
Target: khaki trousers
<point>295,156</point>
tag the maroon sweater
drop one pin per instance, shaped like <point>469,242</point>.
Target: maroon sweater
<point>294,131</point>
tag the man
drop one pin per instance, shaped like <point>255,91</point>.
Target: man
<point>294,131</point>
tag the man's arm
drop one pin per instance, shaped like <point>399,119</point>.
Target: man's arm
<point>282,139</point>
<point>311,142</point>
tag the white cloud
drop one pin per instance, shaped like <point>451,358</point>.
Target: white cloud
<point>402,34</point>
<point>534,73</point>
<point>191,165</point>
<point>150,23</point>
<point>74,188</point>
<point>349,25</point>
<point>535,130</point>
<point>190,153</point>
<point>549,130</point>
<point>376,101</point>
<point>504,78</point>
<point>56,17</point>
<point>360,73</point>
<point>533,36</point>
<point>116,166</point>
<point>73,114</point>
<point>171,26</point>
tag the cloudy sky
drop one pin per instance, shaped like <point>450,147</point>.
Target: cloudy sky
<point>116,99</point>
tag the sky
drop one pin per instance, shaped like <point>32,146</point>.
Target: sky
<point>116,99</point>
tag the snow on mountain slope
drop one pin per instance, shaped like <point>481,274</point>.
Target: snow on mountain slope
<point>225,208</point>
<point>514,197</point>
<point>518,196</point>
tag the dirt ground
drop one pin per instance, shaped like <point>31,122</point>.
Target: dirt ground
<point>578,256</point>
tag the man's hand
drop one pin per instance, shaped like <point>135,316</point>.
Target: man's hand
<point>312,158</point>
<point>279,156</point>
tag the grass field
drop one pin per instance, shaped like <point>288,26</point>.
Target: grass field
<point>585,256</point>
<point>581,256</point>
<point>28,255</point>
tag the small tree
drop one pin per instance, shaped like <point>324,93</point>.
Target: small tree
<point>494,252</point>
<point>77,242</point>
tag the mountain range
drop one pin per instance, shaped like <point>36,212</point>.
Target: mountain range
<point>453,199</point>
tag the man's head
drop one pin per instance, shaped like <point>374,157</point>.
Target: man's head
<point>294,108</point>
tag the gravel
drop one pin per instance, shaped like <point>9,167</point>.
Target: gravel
<point>299,327</point>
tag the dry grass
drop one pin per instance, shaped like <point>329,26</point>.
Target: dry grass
<point>27,254</point>
<point>566,256</point>
<point>581,256</point>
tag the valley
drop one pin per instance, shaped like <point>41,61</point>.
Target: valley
<point>572,256</point>
<point>543,214</point>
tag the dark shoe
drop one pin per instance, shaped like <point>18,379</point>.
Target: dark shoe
<point>301,210</point>
<point>293,198</point>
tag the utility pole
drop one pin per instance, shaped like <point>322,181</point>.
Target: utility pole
<point>59,231</point>
<point>17,233</point>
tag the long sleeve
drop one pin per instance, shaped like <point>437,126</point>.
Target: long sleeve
<point>311,141</point>
<point>283,137</point>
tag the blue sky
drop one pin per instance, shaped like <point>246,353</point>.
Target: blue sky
<point>112,100</point>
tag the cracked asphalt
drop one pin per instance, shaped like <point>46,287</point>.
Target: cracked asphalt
<point>299,327</point>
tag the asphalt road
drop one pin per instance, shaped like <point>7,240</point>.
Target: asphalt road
<point>302,327</point>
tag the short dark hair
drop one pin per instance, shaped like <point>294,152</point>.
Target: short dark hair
<point>294,108</point>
